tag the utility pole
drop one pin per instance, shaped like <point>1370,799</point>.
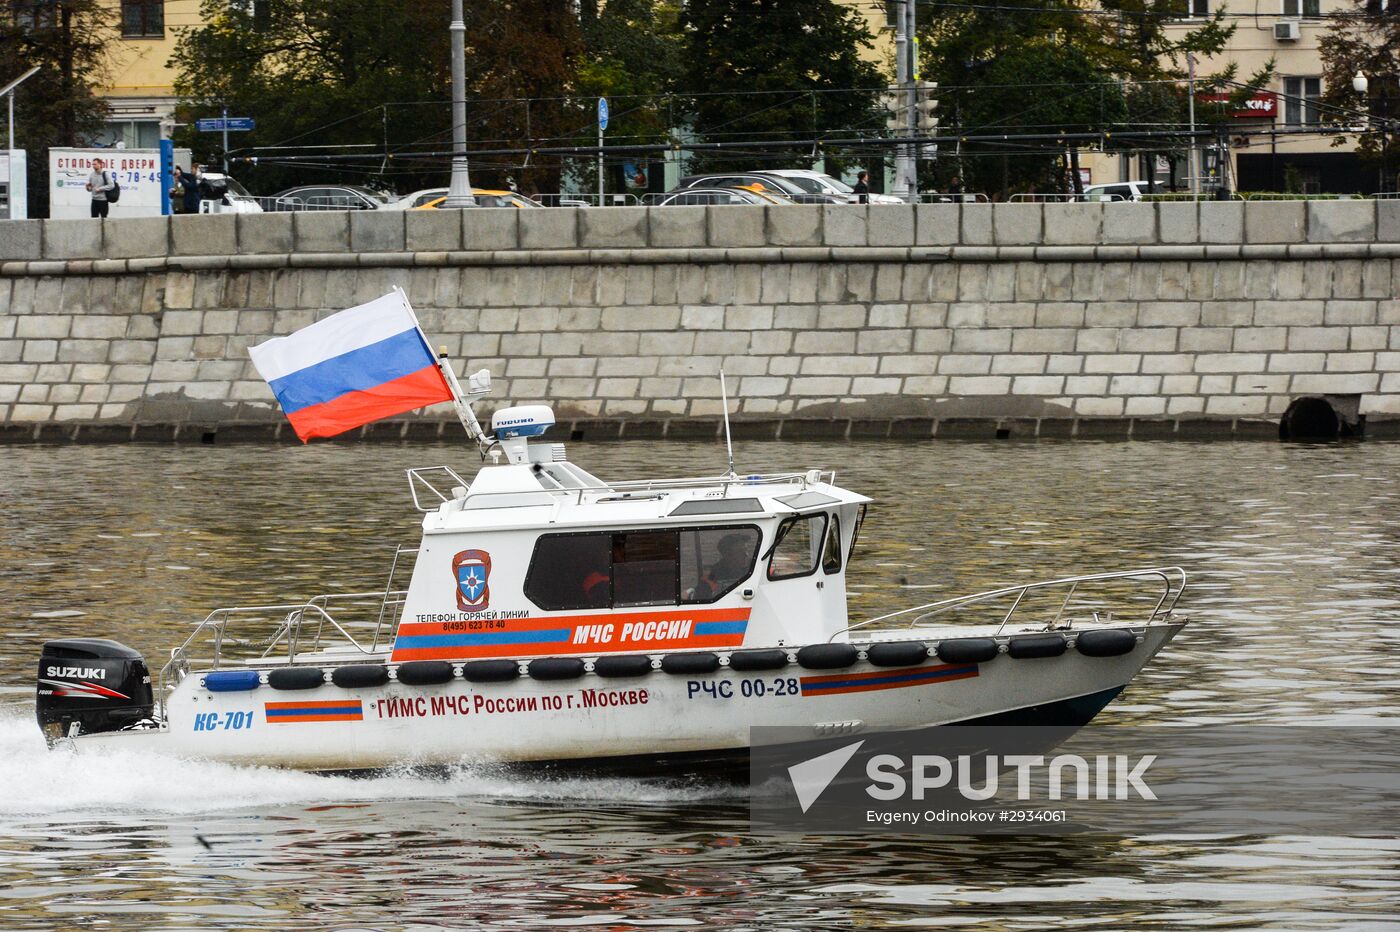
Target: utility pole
<point>1191,168</point>
<point>903,41</point>
<point>912,72</point>
<point>459,192</point>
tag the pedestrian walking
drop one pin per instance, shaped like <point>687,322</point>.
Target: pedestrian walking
<point>862,188</point>
<point>99,183</point>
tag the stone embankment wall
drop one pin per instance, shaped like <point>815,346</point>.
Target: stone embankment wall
<point>1070,319</point>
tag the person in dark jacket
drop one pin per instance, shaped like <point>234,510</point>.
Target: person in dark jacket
<point>187,190</point>
<point>862,188</point>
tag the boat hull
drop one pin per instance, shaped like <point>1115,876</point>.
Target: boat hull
<point>657,722</point>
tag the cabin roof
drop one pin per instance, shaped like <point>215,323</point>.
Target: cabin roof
<point>561,495</point>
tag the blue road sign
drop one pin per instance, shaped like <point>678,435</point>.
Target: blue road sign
<point>232,125</point>
<point>602,113</point>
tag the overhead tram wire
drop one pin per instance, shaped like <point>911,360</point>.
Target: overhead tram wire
<point>1057,140</point>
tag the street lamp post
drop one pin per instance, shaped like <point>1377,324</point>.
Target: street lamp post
<point>459,191</point>
<point>8,91</point>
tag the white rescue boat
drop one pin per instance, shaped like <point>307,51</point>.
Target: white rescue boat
<point>554,617</point>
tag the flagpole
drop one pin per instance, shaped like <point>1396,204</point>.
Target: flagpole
<point>465,414</point>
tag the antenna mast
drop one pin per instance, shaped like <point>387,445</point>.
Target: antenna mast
<point>728,443</point>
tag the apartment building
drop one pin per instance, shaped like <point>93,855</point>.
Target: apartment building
<point>140,92</point>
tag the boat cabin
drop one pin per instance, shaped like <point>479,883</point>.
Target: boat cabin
<point>537,557</point>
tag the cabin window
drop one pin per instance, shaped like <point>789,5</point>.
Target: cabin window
<point>620,569</point>
<point>715,560</point>
<point>831,553</point>
<point>644,568</point>
<point>798,546</point>
<point>855,533</point>
<point>571,571</point>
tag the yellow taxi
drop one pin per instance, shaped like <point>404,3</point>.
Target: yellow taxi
<point>487,198</point>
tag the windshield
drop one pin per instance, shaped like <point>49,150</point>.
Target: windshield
<point>840,185</point>
<point>810,185</point>
<point>382,197</point>
<point>235,188</point>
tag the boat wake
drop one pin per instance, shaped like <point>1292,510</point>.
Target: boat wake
<point>35,781</point>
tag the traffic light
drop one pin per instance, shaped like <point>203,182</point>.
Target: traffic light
<point>892,99</point>
<point>926,105</point>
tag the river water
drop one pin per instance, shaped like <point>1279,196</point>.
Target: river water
<point>1294,556</point>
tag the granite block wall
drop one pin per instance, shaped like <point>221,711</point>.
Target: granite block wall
<point>1141,319</point>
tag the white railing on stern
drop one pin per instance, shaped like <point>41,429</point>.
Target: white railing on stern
<point>212,641</point>
<point>1172,579</point>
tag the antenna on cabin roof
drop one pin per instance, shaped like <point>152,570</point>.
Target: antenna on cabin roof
<point>724,402</point>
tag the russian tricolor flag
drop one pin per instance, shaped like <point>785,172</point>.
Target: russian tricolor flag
<point>354,367</point>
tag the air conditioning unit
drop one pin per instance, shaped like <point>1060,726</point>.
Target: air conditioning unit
<point>1286,31</point>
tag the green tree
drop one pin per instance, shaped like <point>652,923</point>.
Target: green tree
<point>1121,69</point>
<point>1037,87</point>
<point>633,54</point>
<point>1362,39</point>
<point>57,106</point>
<point>375,75</point>
<point>802,57</point>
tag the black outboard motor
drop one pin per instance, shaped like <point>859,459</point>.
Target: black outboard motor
<point>92,683</point>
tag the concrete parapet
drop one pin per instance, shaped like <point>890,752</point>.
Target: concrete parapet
<point>1221,221</point>
<point>265,233</point>
<point>1388,221</point>
<point>203,235</point>
<point>786,226</point>
<point>21,239</point>
<point>1351,221</point>
<point>554,228</point>
<point>612,227</point>
<point>321,231</point>
<point>136,237</point>
<point>376,230</point>
<point>73,239</point>
<point>1275,221</point>
<point>677,227</point>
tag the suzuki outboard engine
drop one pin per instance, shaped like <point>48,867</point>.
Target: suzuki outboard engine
<point>89,685</point>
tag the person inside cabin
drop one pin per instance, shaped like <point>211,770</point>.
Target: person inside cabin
<point>597,582</point>
<point>596,589</point>
<point>729,569</point>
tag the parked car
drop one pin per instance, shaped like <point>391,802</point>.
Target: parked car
<point>331,197</point>
<point>717,196</point>
<point>226,196</point>
<point>485,198</point>
<point>417,199</point>
<point>1121,191</point>
<point>815,182</point>
<point>763,182</point>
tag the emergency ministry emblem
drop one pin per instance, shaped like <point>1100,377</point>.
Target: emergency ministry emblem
<point>472,568</point>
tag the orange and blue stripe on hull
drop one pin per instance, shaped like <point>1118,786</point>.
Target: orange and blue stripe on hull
<point>841,683</point>
<point>561,635</point>
<point>329,710</point>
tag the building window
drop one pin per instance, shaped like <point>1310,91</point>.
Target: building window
<point>1300,96</point>
<point>1200,9</point>
<point>891,14</point>
<point>1306,9</point>
<point>143,19</point>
